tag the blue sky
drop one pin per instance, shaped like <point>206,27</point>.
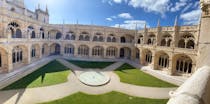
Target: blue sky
<point>124,12</point>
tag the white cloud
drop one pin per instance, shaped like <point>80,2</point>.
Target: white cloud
<point>178,6</point>
<point>114,1</point>
<point>109,19</point>
<point>125,16</point>
<point>121,15</point>
<point>132,24</point>
<point>117,1</point>
<point>192,17</point>
<point>187,7</point>
<point>158,6</point>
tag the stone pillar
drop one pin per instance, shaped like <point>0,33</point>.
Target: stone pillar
<point>28,57</point>
<point>133,54</point>
<point>9,64</point>
<point>62,49</point>
<point>104,53</point>
<point>142,58</point>
<point>76,51</point>
<point>171,69</point>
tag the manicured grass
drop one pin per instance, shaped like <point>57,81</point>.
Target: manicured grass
<point>92,64</point>
<point>109,98</point>
<point>50,74</point>
<point>130,75</point>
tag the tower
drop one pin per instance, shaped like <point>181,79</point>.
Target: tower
<point>19,3</point>
<point>205,22</point>
<point>204,35</point>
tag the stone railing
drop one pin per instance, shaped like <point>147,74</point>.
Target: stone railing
<point>196,90</point>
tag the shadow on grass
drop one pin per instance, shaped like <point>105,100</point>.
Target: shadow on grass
<point>124,67</point>
<point>24,82</point>
<point>90,64</point>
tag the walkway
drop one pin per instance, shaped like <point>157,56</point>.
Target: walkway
<point>49,93</point>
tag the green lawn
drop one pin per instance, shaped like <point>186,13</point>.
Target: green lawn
<point>109,98</point>
<point>88,64</point>
<point>129,74</point>
<point>50,74</point>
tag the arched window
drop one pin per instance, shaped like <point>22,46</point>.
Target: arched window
<point>181,43</point>
<point>67,37</point>
<point>149,41</point>
<point>58,35</point>
<point>87,38</point>
<point>114,39</point>
<point>139,41</point>
<point>101,39</point>
<point>97,51</point>
<point>190,44</point>
<point>81,37</point>
<point>95,38</point>
<point>17,55</point>
<point>42,33</point>
<point>148,57</point>
<point>83,50</point>
<point>33,51</point>
<point>18,33</point>
<point>69,49</point>
<point>122,39</point>
<point>163,42</point>
<point>184,65</point>
<point>33,34</point>
<point>163,61</point>
<point>109,39</point>
<point>73,37</point>
<point>13,27</point>
<point>111,52</point>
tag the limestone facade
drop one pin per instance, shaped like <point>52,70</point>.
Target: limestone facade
<point>26,37</point>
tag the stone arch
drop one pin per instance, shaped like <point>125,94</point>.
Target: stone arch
<point>19,56</point>
<point>161,60</point>
<point>35,51</point>
<point>31,32</point>
<point>69,49</point>
<point>83,50</point>
<point>151,39</point>
<point>166,39</point>
<point>55,49</point>
<point>182,64</point>
<point>15,30</point>
<point>98,37</point>
<point>147,56</point>
<point>54,34</point>
<point>84,36</point>
<point>111,51</point>
<point>140,39</point>
<point>111,38</point>
<point>98,51</point>
<point>125,52</point>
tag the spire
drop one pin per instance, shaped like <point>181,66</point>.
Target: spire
<point>38,6</point>
<point>176,21</point>
<point>46,9</point>
<point>158,24</point>
<point>145,25</point>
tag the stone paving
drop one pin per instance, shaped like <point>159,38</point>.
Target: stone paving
<point>49,93</point>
